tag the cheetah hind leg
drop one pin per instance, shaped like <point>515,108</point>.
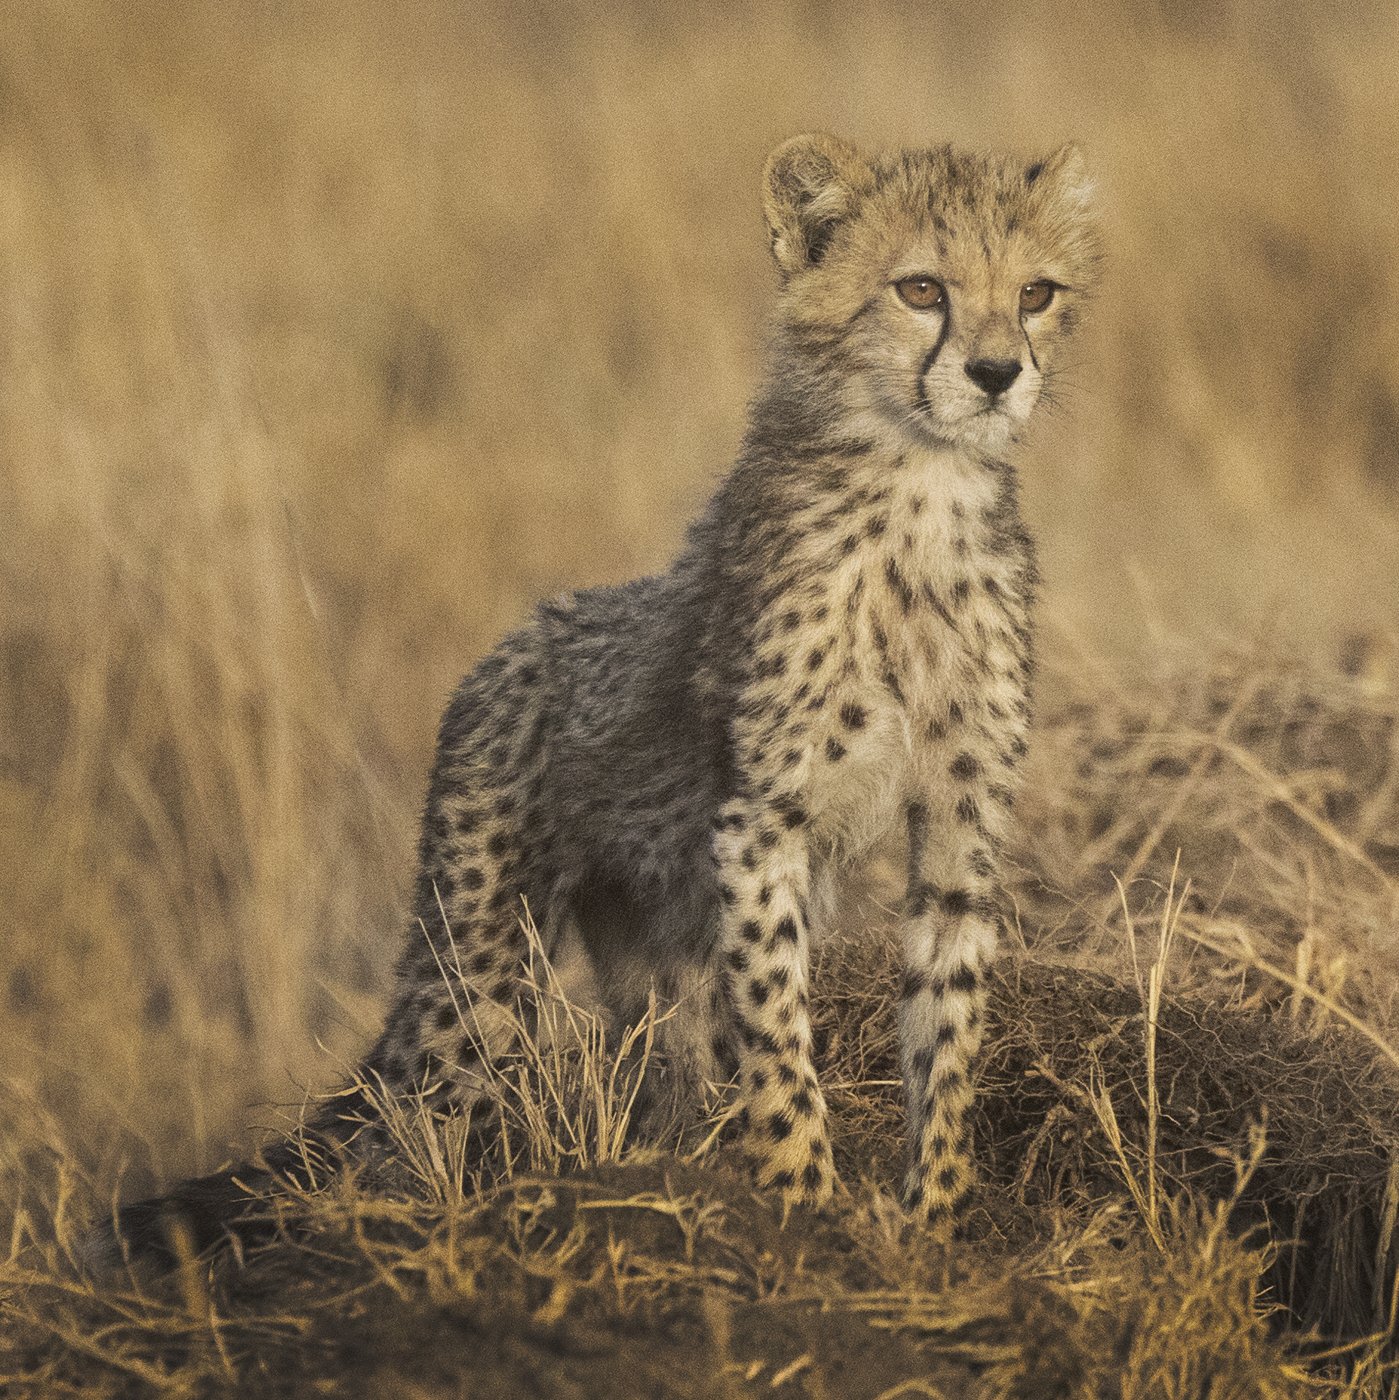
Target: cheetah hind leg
<point>467,985</point>
<point>669,1025</point>
<point>463,994</point>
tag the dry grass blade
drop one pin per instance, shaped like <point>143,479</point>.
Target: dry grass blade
<point>1187,788</point>
<point>1241,950</point>
<point>1328,832</point>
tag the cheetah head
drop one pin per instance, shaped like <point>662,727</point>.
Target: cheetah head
<point>930,289</point>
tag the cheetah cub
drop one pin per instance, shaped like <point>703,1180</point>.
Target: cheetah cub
<point>672,772</point>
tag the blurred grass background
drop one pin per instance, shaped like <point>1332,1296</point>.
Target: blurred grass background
<point>332,335</point>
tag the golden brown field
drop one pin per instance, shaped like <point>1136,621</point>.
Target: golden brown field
<point>334,335</point>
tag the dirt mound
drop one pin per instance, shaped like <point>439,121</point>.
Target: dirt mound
<point>1114,1249</point>
<point>658,1279</point>
<point>1295,1128</point>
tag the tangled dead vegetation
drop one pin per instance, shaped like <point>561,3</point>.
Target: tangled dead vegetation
<point>1269,779</point>
<point>1086,1096</point>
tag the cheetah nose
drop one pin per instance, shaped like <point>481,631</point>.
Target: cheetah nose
<point>995,376</point>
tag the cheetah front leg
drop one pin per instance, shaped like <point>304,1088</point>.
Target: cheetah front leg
<point>765,877</point>
<point>949,936</point>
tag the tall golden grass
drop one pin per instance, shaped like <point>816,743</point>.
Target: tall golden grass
<point>333,335</point>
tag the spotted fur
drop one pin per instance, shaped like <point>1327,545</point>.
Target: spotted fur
<point>674,771</point>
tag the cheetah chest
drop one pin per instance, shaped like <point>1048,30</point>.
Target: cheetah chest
<point>928,663</point>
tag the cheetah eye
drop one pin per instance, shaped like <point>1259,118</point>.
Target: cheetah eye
<point>1035,296</point>
<point>921,293</point>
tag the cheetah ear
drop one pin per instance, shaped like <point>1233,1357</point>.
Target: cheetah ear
<point>1069,213</point>
<point>810,184</point>
<point>1066,173</point>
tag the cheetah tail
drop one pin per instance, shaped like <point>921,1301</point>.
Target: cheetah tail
<point>226,1208</point>
<point>193,1217</point>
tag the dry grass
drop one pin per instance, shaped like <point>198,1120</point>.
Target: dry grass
<point>332,336</point>
<point>581,1260</point>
